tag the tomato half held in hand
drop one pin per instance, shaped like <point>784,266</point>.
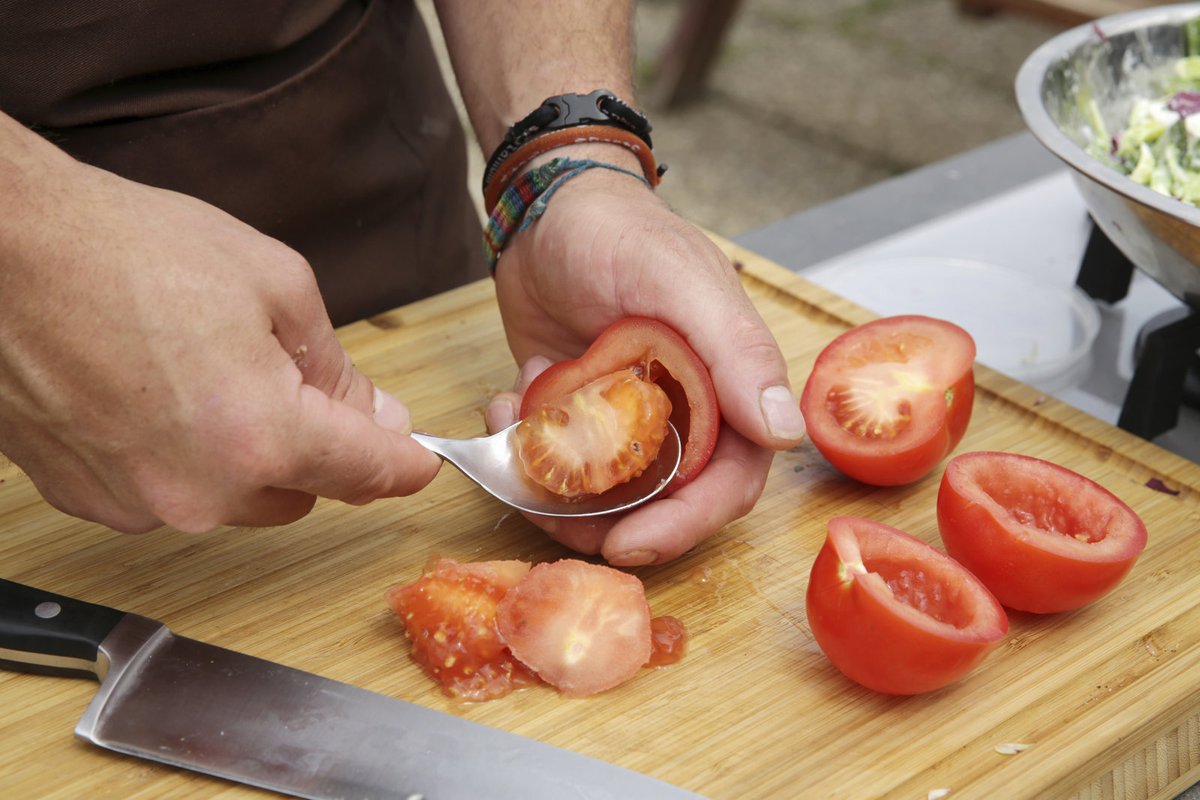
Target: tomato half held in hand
<point>893,613</point>
<point>888,400</point>
<point>1041,537</point>
<point>605,433</point>
<point>658,354</point>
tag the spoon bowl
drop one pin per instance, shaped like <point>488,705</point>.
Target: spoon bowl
<point>493,463</point>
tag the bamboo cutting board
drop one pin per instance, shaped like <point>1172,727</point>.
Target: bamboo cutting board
<point>1108,698</point>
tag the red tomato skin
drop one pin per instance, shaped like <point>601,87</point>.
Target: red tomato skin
<point>935,433</point>
<point>637,341</point>
<point>860,630</point>
<point>1027,568</point>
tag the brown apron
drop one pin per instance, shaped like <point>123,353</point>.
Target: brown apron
<point>322,123</point>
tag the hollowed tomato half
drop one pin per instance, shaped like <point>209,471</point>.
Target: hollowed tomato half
<point>895,614</point>
<point>1042,537</point>
<point>888,400</point>
<point>656,353</point>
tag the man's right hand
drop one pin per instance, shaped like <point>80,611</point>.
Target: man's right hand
<point>163,363</point>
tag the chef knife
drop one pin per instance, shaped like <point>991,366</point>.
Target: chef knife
<point>194,705</point>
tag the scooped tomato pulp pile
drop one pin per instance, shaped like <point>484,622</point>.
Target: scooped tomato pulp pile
<point>484,629</point>
<point>885,403</point>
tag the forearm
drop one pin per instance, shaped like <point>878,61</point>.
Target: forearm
<point>38,184</point>
<point>26,161</point>
<point>510,56</point>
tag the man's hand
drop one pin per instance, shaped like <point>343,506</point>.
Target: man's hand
<point>162,363</point>
<point>607,248</point>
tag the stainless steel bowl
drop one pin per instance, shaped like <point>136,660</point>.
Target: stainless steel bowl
<point>1116,59</point>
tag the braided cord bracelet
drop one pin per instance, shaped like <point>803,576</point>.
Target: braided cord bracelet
<point>525,200</point>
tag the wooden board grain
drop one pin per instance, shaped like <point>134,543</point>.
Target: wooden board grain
<point>1108,697</point>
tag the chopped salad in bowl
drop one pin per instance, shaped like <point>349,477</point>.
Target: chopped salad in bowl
<point>1159,146</point>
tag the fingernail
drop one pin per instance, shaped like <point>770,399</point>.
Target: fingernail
<point>781,412</point>
<point>635,558</point>
<point>499,414</point>
<point>390,413</point>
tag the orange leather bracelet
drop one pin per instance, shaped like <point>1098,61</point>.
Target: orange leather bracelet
<point>579,134</point>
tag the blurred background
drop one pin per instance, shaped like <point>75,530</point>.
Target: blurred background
<point>808,100</point>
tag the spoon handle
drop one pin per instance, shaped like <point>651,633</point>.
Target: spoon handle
<point>479,459</point>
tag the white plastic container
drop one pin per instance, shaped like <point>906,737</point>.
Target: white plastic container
<point>1034,330</point>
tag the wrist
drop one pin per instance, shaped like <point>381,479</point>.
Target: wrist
<point>30,169</point>
<point>599,117</point>
<point>523,203</point>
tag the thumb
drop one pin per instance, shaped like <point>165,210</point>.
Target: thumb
<point>388,412</point>
<point>342,453</point>
<point>751,380</point>
<point>350,439</point>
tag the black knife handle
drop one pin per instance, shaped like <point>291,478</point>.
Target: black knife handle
<point>52,634</point>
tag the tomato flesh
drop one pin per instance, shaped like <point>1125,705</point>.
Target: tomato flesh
<point>483,629</point>
<point>659,354</point>
<point>605,433</point>
<point>1043,538</point>
<point>582,627</point>
<point>888,400</point>
<point>449,616</point>
<point>894,614</point>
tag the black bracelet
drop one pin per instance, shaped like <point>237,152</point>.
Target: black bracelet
<point>601,107</point>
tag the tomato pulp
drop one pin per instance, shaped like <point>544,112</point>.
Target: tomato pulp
<point>1042,537</point>
<point>893,613</point>
<point>449,616</point>
<point>888,400</point>
<point>582,627</point>
<point>605,433</point>
<point>483,629</point>
<point>659,354</point>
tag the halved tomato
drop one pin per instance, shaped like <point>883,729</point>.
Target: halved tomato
<point>605,433</point>
<point>659,354</point>
<point>1042,537</point>
<point>888,400</point>
<point>893,613</point>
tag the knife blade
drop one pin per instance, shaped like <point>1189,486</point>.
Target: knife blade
<point>205,708</point>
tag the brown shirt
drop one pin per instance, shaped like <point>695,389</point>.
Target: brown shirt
<point>323,123</point>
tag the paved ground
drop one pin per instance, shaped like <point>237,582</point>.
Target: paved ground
<point>812,99</point>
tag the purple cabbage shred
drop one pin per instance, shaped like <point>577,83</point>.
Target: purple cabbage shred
<point>1185,103</point>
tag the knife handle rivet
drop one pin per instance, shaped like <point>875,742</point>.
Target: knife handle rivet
<point>47,610</point>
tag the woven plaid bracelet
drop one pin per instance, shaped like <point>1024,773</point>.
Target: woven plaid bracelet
<point>525,201</point>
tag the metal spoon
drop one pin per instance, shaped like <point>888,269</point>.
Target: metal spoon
<point>493,463</point>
